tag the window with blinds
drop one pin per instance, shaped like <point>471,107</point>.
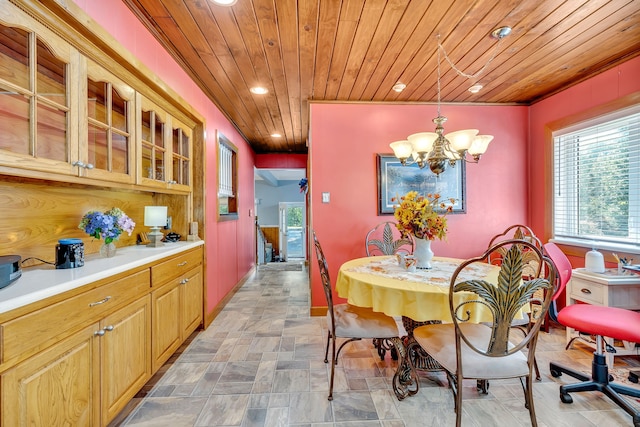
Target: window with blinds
<point>227,178</point>
<point>597,180</point>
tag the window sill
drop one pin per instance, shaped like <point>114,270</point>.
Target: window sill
<point>604,246</point>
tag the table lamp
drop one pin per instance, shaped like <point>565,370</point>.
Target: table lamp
<point>155,217</point>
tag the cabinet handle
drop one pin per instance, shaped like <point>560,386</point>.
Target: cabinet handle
<point>99,333</point>
<point>108,328</point>
<point>182,264</point>
<point>78,163</point>
<point>102,301</point>
<point>184,281</point>
<point>88,166</point>
<point>585,291</point>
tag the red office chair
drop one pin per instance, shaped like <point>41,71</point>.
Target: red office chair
<point>616,323</point>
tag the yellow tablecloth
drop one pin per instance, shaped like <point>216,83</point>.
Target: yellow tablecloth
<point>380,283</point>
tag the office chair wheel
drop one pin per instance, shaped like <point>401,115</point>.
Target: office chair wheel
<point>555,373</point>
<point>566,398</point>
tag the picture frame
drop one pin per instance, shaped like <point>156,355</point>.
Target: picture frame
<point>395,180</point>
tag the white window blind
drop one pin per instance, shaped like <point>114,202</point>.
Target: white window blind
<point>225,176</point>
<point>597,180</point>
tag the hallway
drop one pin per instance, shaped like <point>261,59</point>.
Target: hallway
<point>260,363</point>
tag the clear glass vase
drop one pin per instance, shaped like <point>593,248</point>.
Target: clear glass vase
<point>107,250</point>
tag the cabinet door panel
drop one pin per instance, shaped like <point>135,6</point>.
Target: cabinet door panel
<point>191,302</point>
<point>58,387</point>
<point>126,356</point>
<point>166,323</point>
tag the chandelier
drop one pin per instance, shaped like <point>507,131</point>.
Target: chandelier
<point>436,149</point>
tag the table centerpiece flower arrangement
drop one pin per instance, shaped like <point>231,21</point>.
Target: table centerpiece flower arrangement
<point>107,226</point>
<point>423,218</point>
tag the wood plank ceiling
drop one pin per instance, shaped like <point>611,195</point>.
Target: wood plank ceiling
<point>356,50</point>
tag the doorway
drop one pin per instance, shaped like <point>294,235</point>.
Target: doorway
<point>292,226</point>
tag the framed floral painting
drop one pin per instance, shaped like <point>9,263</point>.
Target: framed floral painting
<point>395,180</point>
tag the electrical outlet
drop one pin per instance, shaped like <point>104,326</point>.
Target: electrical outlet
<point>168,226</point>
<point>326,197</point>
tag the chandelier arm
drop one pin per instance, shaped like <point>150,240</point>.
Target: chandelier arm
<point>461,73</point>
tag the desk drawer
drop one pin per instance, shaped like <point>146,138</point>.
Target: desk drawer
<point>587,291</point>
<point>35,331</point>
<point>175,267</point>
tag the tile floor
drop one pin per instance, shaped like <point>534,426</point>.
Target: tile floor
<point>260,363</point>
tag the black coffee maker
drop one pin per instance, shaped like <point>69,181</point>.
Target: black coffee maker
<point>69,253</point>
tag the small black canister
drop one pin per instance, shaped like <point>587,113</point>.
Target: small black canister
<point>69,253</point>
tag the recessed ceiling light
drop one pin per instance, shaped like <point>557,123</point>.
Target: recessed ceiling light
<point>500,33</point>
<point>475,88</point>
<point>259,90</point>
<point>276,135</point>
<point>399,87</point>
<point>224,2</point>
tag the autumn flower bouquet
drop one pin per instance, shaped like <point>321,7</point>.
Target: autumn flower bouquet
<point>107,225</point>
<point>422,217</point>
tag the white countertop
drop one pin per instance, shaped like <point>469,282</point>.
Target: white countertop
<point>609,277</point>
<point>44,281</point>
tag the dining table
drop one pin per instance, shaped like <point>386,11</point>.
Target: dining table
<point>419,297</point>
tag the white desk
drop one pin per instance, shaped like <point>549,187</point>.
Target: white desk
<point>609,289</point>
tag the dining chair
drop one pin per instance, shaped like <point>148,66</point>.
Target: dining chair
<point>531,268</point>
<point>348,321</point>
<point>469,350</point>
<point>385,239</point>
<point>598,321</point>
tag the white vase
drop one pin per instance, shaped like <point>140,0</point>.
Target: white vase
<point>423,253</point>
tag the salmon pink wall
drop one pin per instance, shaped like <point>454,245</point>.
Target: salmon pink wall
<point>230,246</point>
<point>281,161</point>
<point>344,140</point>
<point>590,95</point>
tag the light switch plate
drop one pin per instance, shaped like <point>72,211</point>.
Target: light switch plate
<point>326,197</point>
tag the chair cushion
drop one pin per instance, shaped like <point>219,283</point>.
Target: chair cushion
<point>439,341</point>
<point>361,322</point>
<point>610,322</point>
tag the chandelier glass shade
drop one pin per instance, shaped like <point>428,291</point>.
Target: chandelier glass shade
<point>438,150</point>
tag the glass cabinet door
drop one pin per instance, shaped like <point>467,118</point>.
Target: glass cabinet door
<point>181,154</point>
<point>34,102</point>
<point>109,120</point>
<point>153,125</point>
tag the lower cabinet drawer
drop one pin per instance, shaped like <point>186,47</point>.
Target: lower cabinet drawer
<point>590,292</point>
<point>175,266</point>
<point>30,333</point>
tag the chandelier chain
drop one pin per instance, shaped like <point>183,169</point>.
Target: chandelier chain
<point>461,73</point>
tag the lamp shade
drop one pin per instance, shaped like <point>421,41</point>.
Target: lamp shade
<point>422,142</point>
<point>155,216</point>
<point>480,144</point>
<point>401,149</point>
<point>461,140</point>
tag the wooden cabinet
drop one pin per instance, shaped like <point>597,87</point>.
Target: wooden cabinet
<point>64,117</point>
<point>125,356</point>
<point>165,149</point>
<point>177,302</point>
<point>36,97</point>
<point>79,360</point>
<point>86,379</point>
<point>58,387</point>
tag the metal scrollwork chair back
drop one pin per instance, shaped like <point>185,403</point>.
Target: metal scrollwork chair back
<point>470,350</point>
<point>531,268</point>
<point>385,239</point>
<point>348,321</point>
